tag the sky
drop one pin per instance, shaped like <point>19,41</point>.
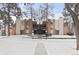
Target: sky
<point>57,9</point>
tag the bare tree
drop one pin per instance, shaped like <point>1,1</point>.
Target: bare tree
<point>46,10</point>
<point>29,10</point>
<point>69,21</point>
<point>8,9</point>
<point>73,9</point>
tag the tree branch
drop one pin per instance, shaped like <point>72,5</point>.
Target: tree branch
<point>74,17</point>
<point>73,14</point>
<point>77,8</point>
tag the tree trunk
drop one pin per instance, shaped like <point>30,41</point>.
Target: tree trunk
<point>5,29</point>
<point>8,29</point>
<point>8,20</point>
<point>31,11</point>
<point>76,22</point>
<point>77,36</point>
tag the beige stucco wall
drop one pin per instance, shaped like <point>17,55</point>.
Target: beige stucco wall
<point>50,27</point>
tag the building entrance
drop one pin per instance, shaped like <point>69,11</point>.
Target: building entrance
<point>39,29</point>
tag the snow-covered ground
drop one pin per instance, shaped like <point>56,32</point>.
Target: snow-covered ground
<point>28,46</point>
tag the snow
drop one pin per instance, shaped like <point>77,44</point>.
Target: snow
<point>27,46</point>
<point>40,49</point>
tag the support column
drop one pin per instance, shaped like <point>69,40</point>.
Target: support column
<point>0,32</point>
<point>57,27</point>
<point>61,26</point>
<point>6,29</point>
<point>18,23</point>
<point>54,26</point>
